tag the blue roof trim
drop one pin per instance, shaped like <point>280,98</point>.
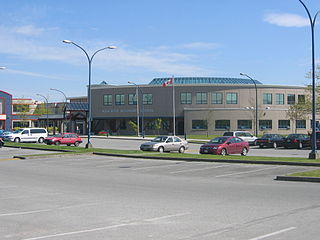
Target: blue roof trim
<point>204,80</point>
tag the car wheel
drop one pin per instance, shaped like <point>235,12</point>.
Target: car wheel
<point>76,144</point>
<point>57,143</point>
<point>181,150</point>
<point>17,140</point>
<point>160,149</point>
<point>260,146</point>
<point>40,140</point>
<point>68,145</point>
<point>275,145</point>
<point>244,152</point>
<point>300,145</point>
<point>223,151</point>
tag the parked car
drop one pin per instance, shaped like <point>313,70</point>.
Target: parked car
<point>28,135</point>
<point>225,145</point>
<point>297,141</point>
<point>270,140</point>
<point>4,133</point>
<point>64,138</point>
<point>1,143</point>
<point>165,144</point>
<point>245,135</point>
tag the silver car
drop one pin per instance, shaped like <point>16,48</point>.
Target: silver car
<point>165,144</point>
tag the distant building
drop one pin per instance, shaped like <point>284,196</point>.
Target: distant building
<point>5,110</point>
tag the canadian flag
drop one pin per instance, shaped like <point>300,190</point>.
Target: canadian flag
<point>170,81</point>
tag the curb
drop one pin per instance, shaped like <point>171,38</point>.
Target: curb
<point>44,149</point>
<point>212,160</point>
<point>298,179</point>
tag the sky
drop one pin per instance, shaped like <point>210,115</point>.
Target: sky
<point>268,40</point>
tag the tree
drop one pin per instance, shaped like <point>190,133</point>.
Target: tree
<point>158,124</point>
<point>134,126</point>
<point>296,112</point>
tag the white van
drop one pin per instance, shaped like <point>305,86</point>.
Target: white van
<point>28,135</point>
<point>246,136</point>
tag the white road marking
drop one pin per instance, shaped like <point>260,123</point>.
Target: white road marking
<point>239,173</point>
<point>106,227</point>
<point>200,169</point>
<point>274,233</point>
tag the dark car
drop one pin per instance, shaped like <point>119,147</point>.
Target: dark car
<point>64,138</point>
<point>225,145</point>
<point>270,140</point>
<point>1,143</point>
<point>297,141</point>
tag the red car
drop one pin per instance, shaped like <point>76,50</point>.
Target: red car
<point>64,138</point>
<point>225,145</point>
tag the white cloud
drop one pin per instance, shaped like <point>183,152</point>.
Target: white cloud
<point>286,20</point>
<point>200,45</point>
<point>29,30</point>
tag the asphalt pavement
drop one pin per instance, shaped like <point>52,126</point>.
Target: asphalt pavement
<point>97,198</point>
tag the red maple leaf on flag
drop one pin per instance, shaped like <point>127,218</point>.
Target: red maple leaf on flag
<point>170,81</point>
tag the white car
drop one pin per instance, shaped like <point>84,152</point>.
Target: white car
<point>245,135</point>
<point>165,144</point>
<point>28,135</point>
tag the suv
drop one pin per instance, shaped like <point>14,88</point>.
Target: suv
<point>28,135</point>
<point>245,135</point>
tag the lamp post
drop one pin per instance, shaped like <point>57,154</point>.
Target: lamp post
<point>47,110</point>
<point>138,117</point>
<point>89,145</point>
<point>255,86</point>
<point>313,153</point>
<point>65,103</point>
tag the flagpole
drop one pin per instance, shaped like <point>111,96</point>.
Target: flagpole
<point>174,107</point>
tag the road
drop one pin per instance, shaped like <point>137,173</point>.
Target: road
<point>98,198</point>
<point>112,143</point>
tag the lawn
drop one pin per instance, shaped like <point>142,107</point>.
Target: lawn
<point>314,173</point>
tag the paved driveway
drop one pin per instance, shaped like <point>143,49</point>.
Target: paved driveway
<point>6,152</point>
<point>97,198</point>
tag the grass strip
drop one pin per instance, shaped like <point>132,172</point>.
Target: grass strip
<point>313,173</point>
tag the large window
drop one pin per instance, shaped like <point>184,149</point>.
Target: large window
<point>265,124</point>
<point>279,98</point>
<point>232,98</point>
<point>119,99</point>
<point>107,100</point>
<point>199,124</point>
<point>132,99</point>
<point>216,98</point>
<point>301,124</point>
<point>222,124</point>
<point>244,124</point>
<point>267,98</point>
<point>284,124</point>
<point>201,98</point>
<point>185,98</point>
<point>291,99</point>
<point>147,99</point>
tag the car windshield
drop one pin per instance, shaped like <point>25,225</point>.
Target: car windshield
<point>159,139</point>
<point>57,135</point>
<point>18,131</point>
<point>267,136</point>
<point>218,140</point>
<point>228,134</point>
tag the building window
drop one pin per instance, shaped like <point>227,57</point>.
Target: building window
<point>122,124</point>
<point>132,99</point>
<point>301,99</point>
<point>301,124</point>
<point>284,124</point>
<point>199,124</point>
<point>119,99</point>
<point>291,99</point>
<point>216,98</point>
<point>185,98</point>
<point>222,124</point>
<point>147,99</point>
<point>107,100</point>
<point>265,124</point>
<point>279,98</point>
<point>232,98</point>
<point>244,124</point>
<point>201,98</point>
<point>267,98</point>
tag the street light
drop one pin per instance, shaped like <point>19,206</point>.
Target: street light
<point>46,109</point>
<point>89,145</point>
<point>255,86</point>
<point>137,96</point>
<point>313,153</point>
<point>65,104</point>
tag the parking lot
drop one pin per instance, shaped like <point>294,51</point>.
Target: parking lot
<point>98,197</point>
